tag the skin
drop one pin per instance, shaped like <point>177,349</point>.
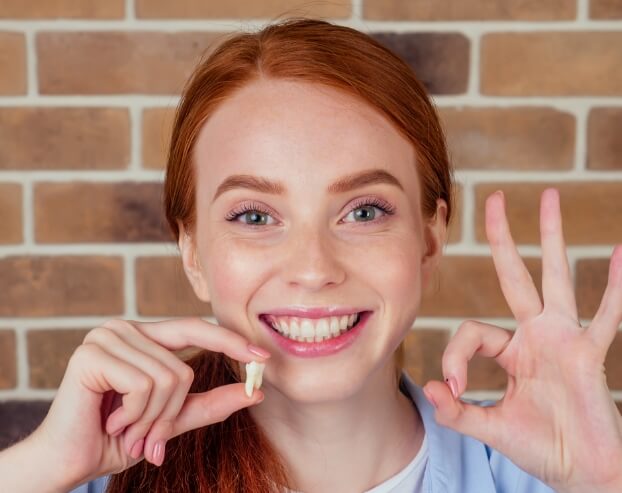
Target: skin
<point>557,419</point>
<point>313,250</point>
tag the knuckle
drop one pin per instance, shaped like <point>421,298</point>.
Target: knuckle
<point>186,375</point>
<point>167,380</point>
<point>143,384</point>
<point>98,334</point>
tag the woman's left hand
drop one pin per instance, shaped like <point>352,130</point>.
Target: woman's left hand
<point>557,419</point>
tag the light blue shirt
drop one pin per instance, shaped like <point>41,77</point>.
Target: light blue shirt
<point>457,463</point>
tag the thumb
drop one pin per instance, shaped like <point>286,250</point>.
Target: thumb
<point>469,419</point>
<point>213,406</point>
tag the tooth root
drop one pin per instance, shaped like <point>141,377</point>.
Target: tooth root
<point>254,376</point>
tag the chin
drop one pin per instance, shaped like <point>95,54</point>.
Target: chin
<point>317,387</point>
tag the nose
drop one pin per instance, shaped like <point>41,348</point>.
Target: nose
<point>312,259</point>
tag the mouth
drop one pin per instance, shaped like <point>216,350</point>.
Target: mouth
<point>306,330</point>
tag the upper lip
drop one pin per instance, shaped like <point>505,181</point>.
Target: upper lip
<point>314,312</point>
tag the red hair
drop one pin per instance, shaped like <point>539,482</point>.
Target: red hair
<point>235,455</point>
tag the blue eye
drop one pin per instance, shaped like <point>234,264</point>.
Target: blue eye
<point>368,205</point>
<point>256,213</point>
<point>246,209</point>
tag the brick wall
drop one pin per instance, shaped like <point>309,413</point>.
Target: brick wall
<point>530,94</point>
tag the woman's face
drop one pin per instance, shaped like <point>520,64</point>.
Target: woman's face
<point>310,245</point>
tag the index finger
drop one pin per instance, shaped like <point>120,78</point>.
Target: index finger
<point>516,282</point>
<point>182,333</point>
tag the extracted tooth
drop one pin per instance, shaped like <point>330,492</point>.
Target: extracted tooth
<point>254,374</point>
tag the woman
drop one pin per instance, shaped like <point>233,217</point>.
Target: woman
<point>308,186</point>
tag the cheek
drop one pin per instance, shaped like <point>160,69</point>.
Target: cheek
<point>235,273</point>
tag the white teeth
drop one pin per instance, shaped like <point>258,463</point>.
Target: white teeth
<point>311,330</point>
<point>254,374</point>
<point>334,326</point>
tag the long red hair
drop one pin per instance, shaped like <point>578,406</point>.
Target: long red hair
<point>235,455</point>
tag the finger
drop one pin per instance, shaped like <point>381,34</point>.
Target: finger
<point>164,383</point>
<point>161,429</point>
<point>516,282</point>
<point>213,406</point>
<point>473,338</point>
<point>608,317</point>
<point>186,332</point>
<point>482,423</point>
<point>557,287</point>
<point>112,374</point>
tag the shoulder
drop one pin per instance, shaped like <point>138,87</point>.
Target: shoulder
<point>95,486</point>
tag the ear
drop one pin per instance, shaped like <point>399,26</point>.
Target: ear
<point>435,235</point>
<point>192,265</point>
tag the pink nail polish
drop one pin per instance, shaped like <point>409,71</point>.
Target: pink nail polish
<point>137,449</point>
<point>430,399</point>
<point>453,386</point>
<point>258,351</point>
<point>158,452</point>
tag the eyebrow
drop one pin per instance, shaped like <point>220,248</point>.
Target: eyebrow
<point>344,184</point>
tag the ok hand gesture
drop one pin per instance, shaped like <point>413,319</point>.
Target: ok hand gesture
<point>557,419</point>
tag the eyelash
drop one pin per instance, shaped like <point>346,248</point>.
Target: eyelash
<point>384,206</point>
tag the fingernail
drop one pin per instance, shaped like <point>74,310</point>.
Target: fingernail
<point>158,452</point>
<point>430,398</point>
<point>137,449</point>
<point>260,398</point>
<point>453,386</point>
<point>258,351</point>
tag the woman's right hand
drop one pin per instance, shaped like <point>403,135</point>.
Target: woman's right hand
<point>129,364</point>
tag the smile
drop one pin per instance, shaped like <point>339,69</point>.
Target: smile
<point>312,330</point>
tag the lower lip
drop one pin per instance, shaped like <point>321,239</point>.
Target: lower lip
<point>322,348</point>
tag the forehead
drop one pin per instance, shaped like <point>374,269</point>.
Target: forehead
<point>302,134</point>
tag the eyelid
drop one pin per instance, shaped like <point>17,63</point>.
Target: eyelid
<point>370,200</point>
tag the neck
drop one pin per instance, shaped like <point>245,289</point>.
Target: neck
<point>352,444</point>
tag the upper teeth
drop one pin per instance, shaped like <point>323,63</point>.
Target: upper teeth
<point>312,330</point>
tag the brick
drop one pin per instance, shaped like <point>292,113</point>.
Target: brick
<point>49,351</point>
<point>613,363</point>
<point>162,289</point>
<point>8,361</point>
<point>104,62</point>
<point>64,138</point>
<point>62,9</point>
<point>240,9</point>
<point>108,212</point>
<point>45,286</point>
<point>552,63</point>
<point>450,10</point>
<point>439,60</point>
<point>468,286</point>
<point>589,211</point>
<point>423,350</point>
<point>604,146</point>
<point>485,374</point>
<point>156,134</point>
<point>19,419</point>
<point>522,138</point>
<point>12,63</point>
<point>605,9</point>
<point>11,213</point>
<point>590,283</point>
